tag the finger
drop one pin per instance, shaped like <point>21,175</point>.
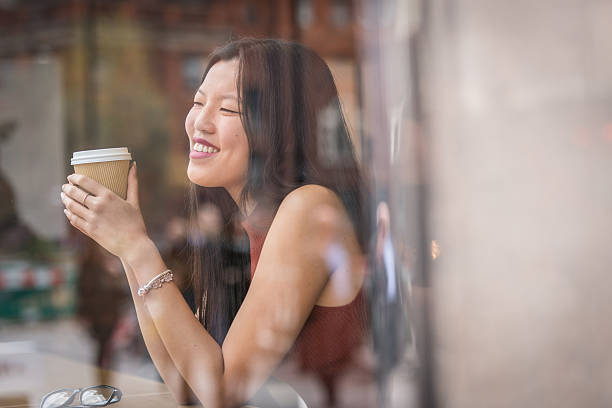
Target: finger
<point>132,189</point>
<point>76,221</point>
<point>82,231</point>
<point>87,184</point>
<point>77,208</point>
<point>76,193</point>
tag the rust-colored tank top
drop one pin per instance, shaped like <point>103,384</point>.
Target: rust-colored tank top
<point>331,334</point>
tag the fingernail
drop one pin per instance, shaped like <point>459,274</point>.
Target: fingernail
<point>66,212</point>
<point>62,195</point>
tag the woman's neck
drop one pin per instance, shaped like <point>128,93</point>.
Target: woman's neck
<point>250,202</point>
<point>250,206</point>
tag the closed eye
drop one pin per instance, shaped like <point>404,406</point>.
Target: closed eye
<point>228,110</point>
<point>198,103</point>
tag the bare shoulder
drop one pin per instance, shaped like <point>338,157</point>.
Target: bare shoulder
<point>309,196</point>
<point>307,221</point>
<point>313,221</point>
<point>313,207</point>
<point>293,275</point>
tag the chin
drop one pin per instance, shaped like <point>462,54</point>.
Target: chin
<point>195,177</point>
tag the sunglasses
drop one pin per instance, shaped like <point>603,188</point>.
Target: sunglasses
<point>95,396</point>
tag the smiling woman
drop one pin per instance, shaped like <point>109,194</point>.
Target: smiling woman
<point>295,295</point>
<point>219,147</point>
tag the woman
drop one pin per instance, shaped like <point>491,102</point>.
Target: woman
<point>270,147</point>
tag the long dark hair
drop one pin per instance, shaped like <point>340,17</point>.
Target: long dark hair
<point>297,135</point>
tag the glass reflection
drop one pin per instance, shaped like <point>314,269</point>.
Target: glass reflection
<point>107,74</point>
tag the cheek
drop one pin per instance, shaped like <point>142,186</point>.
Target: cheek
<point>235,139</point>
<point>189,122</point>
<point>240,139</point>
<point>242,147</point>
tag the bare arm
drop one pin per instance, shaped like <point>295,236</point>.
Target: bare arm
<point>164,364</point>
<point>115,224</point>
<point>192,352</point>
<point>290,277</point>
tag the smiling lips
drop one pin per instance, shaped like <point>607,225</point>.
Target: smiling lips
<point>202,149</point>
<point>198,147</point>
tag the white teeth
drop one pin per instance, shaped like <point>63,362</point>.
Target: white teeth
<point>198,147</point>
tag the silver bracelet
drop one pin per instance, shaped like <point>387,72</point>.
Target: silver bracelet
<point>156,282</point>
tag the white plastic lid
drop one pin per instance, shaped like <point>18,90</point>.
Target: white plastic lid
<point>100,155</point>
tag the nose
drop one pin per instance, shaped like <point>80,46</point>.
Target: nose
<point>203,122</point>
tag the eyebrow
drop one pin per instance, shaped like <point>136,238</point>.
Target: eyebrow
<point>225,96</point>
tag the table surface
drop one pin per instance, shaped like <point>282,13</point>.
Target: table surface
<point>26,378</point>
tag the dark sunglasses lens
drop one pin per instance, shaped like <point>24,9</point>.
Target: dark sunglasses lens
<point>57,399</point>
<point>96,396</point>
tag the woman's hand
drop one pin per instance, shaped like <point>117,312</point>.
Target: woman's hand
<point>112,222</point>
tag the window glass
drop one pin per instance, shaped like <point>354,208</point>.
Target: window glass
<point>306,236</point>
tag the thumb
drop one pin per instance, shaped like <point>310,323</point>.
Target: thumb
<point>132,188</point>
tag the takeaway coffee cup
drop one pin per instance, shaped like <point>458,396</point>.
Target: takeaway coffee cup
<point>108,167</point>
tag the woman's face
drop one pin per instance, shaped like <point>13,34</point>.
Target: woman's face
<point>219,148</point>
